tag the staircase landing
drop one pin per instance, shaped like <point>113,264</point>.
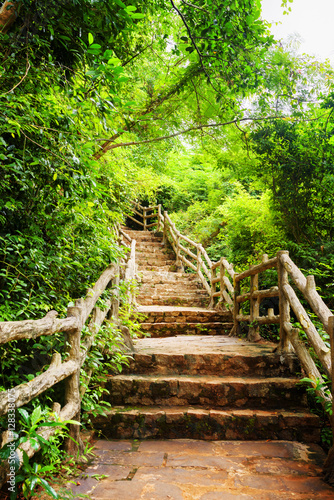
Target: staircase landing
<point>184,469</point>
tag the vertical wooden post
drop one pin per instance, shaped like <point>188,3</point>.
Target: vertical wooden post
<point>114,310</point>
<point>331,336</point>
<point>213,287</point>
<point>222,285</point>
<point>159,217</point>
<point>328,469</point>
<point>164,237</point>
<point>178,263</point>
<point>144,218</point>
<point>236,327</point>
<point>72,389</point>
<point>284,305</point>
<point>254,329</point>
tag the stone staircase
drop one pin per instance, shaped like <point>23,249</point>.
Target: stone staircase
<point>189,379</point>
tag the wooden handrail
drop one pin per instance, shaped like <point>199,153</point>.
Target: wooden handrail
<point>229,296</point>
<point>77,316</point>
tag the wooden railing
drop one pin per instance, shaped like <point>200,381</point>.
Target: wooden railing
<point>224,285</point>
<point>77,316</point>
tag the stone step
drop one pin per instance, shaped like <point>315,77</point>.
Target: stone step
<point>153,250</point>
<point>213,363</point>
<point>214,391</point>
<point>167,277</point>
<point>208,424</point>
<point>171,329</point>
<point>173,301</point>
<point>192,293</point>
<point>213,355</point>
<point>172,314</point>
<point>147,267</point>
<point>165,288</point>
<point>147,262</point>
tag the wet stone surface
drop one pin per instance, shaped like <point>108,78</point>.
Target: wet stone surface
<point>185,469</point>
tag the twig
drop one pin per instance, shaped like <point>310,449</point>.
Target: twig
<point>24,76</point>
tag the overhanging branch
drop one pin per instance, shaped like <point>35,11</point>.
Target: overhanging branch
<point>191,129</point>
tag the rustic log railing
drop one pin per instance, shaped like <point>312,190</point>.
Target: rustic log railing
<point>226,294</point>
<point>69,369</point>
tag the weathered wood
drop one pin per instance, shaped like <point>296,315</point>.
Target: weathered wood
<point>307,363</point>
<point>204,282</point>
<point>254,329</point>
<point>188,240</point>
<point>260,268</point>
<point>135,220</point>
<point>206,257</point>
<point>125,235</point>
<point>314,338</point>
<point>260,294</point>
<point>74,444</point>
<point>307,286</point>
<point>24,393</point>
<point>236,307</point>
<point>328,469</point>
<point>261,320</point>
<point>188,252</point>
<point>188,263</point>
<point>284,305</point>
<point>159,217</point>
<point>229,268</point>
<point>31,329</point>
<point>99,287</point>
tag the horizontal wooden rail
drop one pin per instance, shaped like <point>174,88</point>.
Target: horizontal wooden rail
<point>69,369</point>
<point>216,279</point>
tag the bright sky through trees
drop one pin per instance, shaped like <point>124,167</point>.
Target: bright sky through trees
<point>313,21</point>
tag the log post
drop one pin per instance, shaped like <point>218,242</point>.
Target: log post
<point>159,217</point>
<point>329,463</point>
<point>144,218</point>
<point>254,304</point>
<point>74,445</point>
<point>165,222</point>
<point>213,286</point>
<point>284,306</point>
<point>114,310</point>
<point>178,263</point>
<point>236,307</point>
<point>222,284</point>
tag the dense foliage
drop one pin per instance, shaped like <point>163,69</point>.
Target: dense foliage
<point>191,105</point>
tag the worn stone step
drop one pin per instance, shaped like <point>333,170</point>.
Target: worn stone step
<point>215,391</point>
<point>172,314</point>
<point>154,260</point>
<point>153,250</point>
<point>166,288</point>
<point>172,329</point>
<point>147,267</point>
<point>173,301</point>
<point>211,355</point>
<point>166,277</point>
<point>208,424</point>
<point>189,294</point>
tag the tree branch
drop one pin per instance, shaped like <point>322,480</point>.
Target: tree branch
<point>176,134</point>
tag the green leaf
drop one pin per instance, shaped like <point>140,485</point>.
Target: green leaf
<point>90,39</point>
<point>48,488</point>
<point>25,415</point>
<point>137,16</point>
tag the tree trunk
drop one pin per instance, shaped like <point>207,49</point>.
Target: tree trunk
<point>8,14</point>
<point>328,469</point>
